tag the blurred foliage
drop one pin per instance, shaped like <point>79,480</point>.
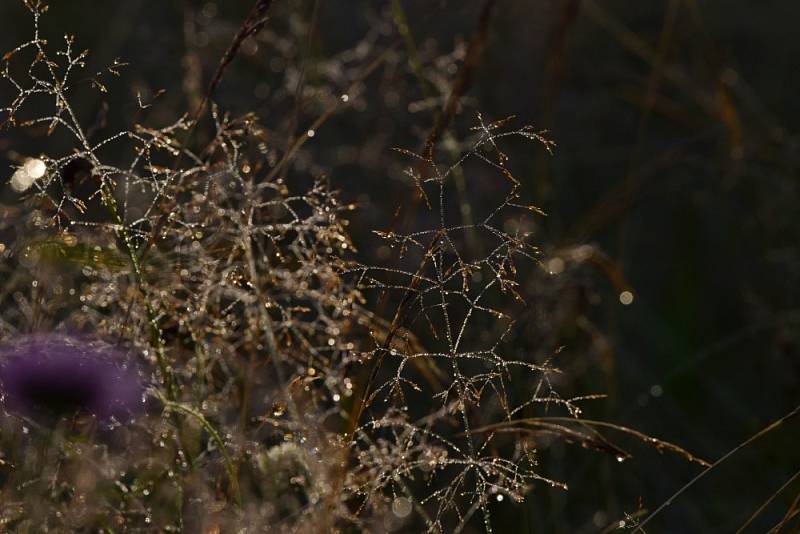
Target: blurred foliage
<point>675,178</point>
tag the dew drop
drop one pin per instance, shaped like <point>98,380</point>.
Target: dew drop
<point>401,507</point>
<point>35,168</point>
<point>278,409</point>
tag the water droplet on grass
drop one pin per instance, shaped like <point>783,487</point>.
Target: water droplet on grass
<point>401,507</point>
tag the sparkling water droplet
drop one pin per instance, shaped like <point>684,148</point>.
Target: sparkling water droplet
<point>35,168</point>
<point>278,409</point>
<point>401,507</point>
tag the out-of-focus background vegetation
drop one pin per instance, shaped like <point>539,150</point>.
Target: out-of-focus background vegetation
<point>675,179</point>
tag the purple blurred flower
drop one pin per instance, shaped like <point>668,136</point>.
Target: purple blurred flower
<point>55,375</point>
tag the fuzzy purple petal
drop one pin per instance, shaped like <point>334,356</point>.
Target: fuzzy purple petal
<point>61,375</point>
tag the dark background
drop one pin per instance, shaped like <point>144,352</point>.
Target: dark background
<point>677,161</point>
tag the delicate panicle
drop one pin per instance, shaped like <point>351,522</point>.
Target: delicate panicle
<point>302,384</point>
